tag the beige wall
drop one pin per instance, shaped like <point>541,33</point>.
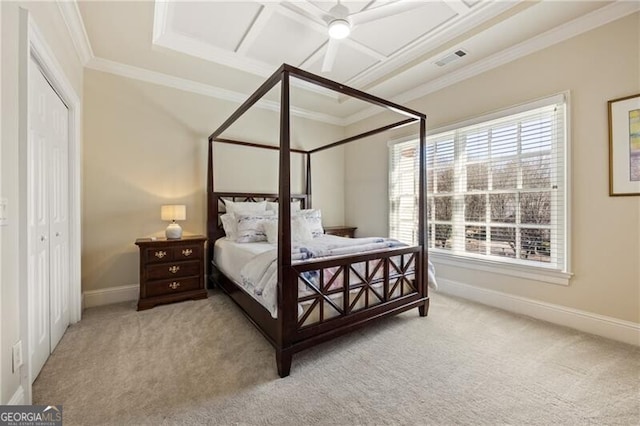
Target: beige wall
<point>146,145</point>
<point>597,66</point>
<point>49,21</point>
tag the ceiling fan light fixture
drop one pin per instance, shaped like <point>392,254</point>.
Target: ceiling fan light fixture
<point>339,29</point>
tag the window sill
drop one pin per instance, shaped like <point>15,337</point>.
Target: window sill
<point>520,271</point>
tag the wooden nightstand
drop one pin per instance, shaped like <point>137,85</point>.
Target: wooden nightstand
<point>341,231</point>
<point>171,270</point>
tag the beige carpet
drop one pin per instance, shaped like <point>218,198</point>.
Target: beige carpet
<point>204,363</point>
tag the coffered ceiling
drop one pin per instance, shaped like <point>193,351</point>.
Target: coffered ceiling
<point>259,36</point>
<point>397,49</point>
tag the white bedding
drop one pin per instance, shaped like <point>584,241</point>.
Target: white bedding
<point>230,257</point>
<point>253,266</point>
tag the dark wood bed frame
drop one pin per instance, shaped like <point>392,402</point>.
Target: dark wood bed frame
<point>389,284</point>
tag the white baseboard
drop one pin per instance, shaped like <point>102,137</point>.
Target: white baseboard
<point>107,296</point>
<point>18,397</point>
<point>612,328</point>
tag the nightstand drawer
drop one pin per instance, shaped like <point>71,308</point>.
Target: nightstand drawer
<point>174,270</point>
<point>158,254</point>
<point>161,288</point>
<point>187,252</point>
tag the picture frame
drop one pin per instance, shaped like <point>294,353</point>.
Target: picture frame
<point>624,146</point>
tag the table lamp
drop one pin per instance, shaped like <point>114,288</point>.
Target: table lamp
<point>173,212</point>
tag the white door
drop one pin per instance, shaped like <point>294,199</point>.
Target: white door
<point>48,224</point>
<point>58,219</point>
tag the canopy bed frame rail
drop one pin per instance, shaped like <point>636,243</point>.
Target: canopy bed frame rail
<point>387,285</point>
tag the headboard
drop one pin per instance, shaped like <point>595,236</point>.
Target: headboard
<point>215,229</point>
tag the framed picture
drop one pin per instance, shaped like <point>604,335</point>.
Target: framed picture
<point>624,146</point>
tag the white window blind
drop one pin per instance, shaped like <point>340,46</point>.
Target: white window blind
<point>403,190</point>
<point>496,189</point>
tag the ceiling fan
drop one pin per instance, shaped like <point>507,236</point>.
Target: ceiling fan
<point>340,22</point>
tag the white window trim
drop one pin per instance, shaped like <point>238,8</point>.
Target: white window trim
<point>516,109</point>
<point>535,273</point>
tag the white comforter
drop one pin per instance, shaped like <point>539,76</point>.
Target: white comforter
<point>260,274</point>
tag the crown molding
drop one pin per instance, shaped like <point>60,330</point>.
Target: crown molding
<point>72,18</point>
<point>153,77</point>
<point>578,26</point>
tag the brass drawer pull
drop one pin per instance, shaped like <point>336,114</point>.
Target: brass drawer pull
<point>160,254</point>
<point>173,269</point>
<point>187,252</point>
<point>174,285</point>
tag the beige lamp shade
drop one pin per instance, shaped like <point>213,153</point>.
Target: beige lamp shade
<point>173,212</point>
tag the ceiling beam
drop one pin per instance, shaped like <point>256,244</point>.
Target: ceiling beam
<point>458,6</point>
<point>314,12</point>
<point>364,49</point>
<point>258,24</point>
<point>315,56</point>
<point>316,24</point>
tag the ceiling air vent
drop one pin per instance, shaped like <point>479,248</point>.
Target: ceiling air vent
<point>451,57</point>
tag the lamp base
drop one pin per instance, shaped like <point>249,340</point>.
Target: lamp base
<point>173,231</point>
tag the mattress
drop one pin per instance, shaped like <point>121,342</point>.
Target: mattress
<point>230,257</point>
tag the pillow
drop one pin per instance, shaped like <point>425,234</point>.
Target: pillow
<point>234,207</point>
<point>250,226</point>
<point>314,220</point>
<point>300,230</point>
<point>295,206</point>
<point>229,225</point>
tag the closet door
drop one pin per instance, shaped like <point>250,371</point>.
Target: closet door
<point>38,219</point>
<point>47,215</point>
<point>58,150</point>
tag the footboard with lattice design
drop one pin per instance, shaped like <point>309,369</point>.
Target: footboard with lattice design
<point>338,291</point>
<point>337,288</point>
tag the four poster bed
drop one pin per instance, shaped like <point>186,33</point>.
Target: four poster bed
<point>317,299</point>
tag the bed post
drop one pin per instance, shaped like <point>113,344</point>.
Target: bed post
<point>422,219</point>
<point>308,189</point>
<point>212,211</point>
<point>287,285</point>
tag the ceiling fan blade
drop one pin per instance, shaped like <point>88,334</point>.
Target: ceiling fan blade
<point>330,54</point>
<point>385,11</point>
<point>311,10</point>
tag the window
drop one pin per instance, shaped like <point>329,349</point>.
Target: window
<point>496,188</point>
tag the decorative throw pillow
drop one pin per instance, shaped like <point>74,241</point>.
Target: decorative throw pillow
<point>295,206</point>
<point>271,229</point>
<point>250,226</point>
<point>235,207</point>
<point>229,225</point>
<point>314,220</point>
<point>300,231</point>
